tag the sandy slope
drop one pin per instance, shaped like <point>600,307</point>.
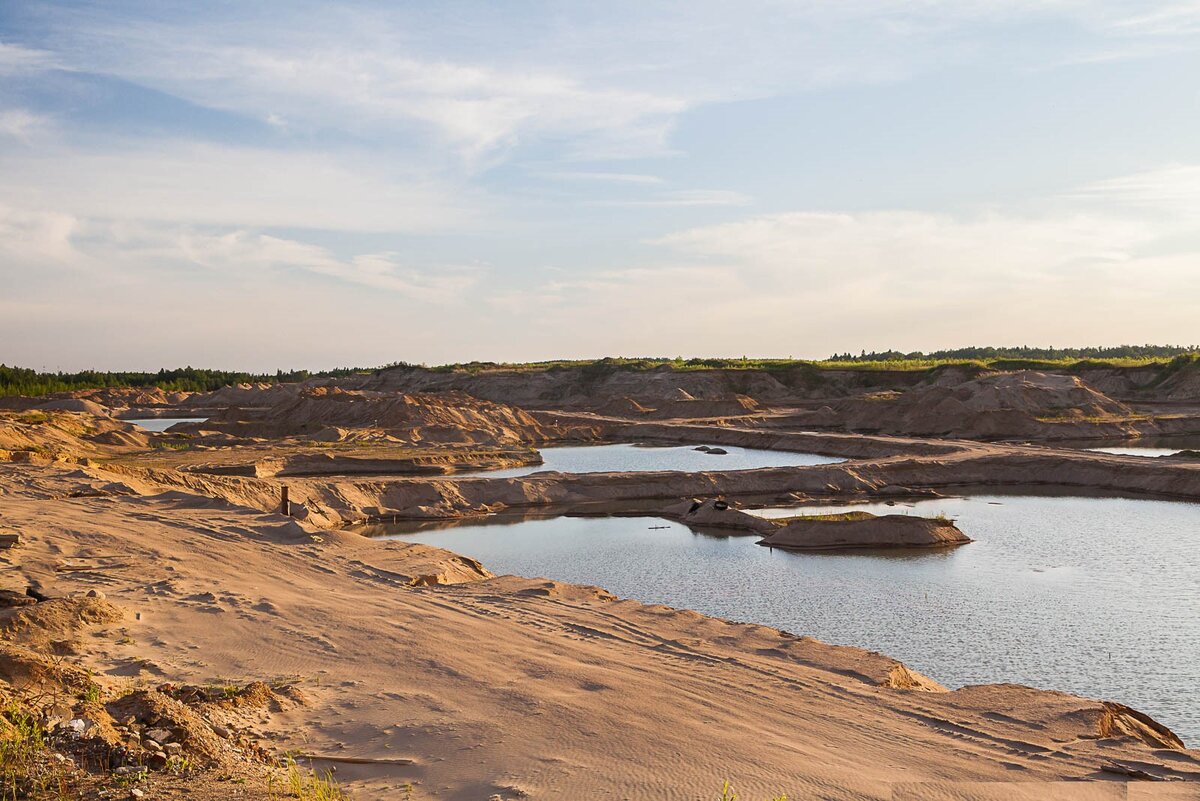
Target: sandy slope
<point>516,688</point>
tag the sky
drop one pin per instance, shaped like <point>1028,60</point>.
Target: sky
<point>309,185</point>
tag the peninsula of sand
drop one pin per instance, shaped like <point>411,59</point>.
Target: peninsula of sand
<point>175,627</point>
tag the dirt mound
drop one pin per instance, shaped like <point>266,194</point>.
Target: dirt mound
<point>41,624</point>
<point>53,432</point>
<point>691,408</point>
<point>451,417</point>
<point>865,531</point>
<point>75,405</point>
<point>37,672</point>
<point>622,407</point>
<point>1020,404</point>
<point>155,711</point>
<point>243,395</point>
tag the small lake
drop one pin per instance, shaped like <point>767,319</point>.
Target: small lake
<point>159,424</point>
<point>641,458</point>
<point>1095,596</point>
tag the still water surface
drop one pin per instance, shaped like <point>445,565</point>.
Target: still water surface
<point>163,423</point>
<point>1096,596</point>
<point>1145,446</point>
<point>640,458</point>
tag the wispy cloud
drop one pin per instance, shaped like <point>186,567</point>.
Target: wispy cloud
<point>16,59</point>
<point>683,197</point>
<point>22,124</point>
<point>242,250</point>
<point>203,184</point>
<point>606,177</point>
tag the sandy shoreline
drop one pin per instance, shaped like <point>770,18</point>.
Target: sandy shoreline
<point>516,687</point>
<point>422,673</point>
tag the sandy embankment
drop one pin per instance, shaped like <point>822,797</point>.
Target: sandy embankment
<point>517,688</point>
<point>943,465</point>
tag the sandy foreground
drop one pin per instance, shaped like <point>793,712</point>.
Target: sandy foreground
<point>427,678</point>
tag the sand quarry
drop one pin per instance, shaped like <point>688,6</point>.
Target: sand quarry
<point>161,611</point>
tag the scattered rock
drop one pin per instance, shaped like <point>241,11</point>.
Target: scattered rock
<point>159,735</point>
<point>96,594</point>
<point>716,451</point>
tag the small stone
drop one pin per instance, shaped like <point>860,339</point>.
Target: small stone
<point>77,725</point>
<point>159,735</point>
<point>157,760</point>
<point>151,745</point>
<point>174,749</point>
<point>136,793</point>
<point>222,731</point>
<point>125,770</point>
<point>96,594</point>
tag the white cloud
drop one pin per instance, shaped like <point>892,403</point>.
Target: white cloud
<point>22,124</point>
<point>201,184</point>
<point>241,250</point>
<point>16,59</point>
<point>1172,191</point>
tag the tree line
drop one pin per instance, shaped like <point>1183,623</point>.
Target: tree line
<point>24,381</point>
<point>1046,354</point>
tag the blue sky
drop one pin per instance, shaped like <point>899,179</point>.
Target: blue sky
<point>290,184</point>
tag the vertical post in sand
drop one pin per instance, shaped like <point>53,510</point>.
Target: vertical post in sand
<point>285,507</point>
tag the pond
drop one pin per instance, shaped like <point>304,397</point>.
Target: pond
<point>1145,446</point>
<point>159,424</point>
<point>640,458</point>
<point>1096,596</point>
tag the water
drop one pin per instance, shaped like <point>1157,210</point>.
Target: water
<point>1095,596</point>
<point>163,423</point>
<point>1146,446</point>
<point>640,458</point>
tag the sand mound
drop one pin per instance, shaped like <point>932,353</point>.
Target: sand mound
<point>68,433</point>
<point>74,405</point>
<point>622,407</point>
<point>444,418</point>
<point>1020,404</point>
<point>865,531</point>
<point>155,711</point>
<point>244,395</point>
<point>55,619</point>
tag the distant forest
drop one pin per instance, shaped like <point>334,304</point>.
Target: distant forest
<point>1044,354</point>
<point>23,381</point>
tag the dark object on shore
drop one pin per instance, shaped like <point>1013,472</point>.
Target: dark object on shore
<point>704,448</point>
<point>716,451</point>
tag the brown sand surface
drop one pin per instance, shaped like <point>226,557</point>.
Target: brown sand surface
<point>420,668</point>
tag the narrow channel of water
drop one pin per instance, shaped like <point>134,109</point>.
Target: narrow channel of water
<point>1096,596</point>
<point>641,458</point>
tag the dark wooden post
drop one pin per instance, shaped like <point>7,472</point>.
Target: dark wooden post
<point>285,508</point>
